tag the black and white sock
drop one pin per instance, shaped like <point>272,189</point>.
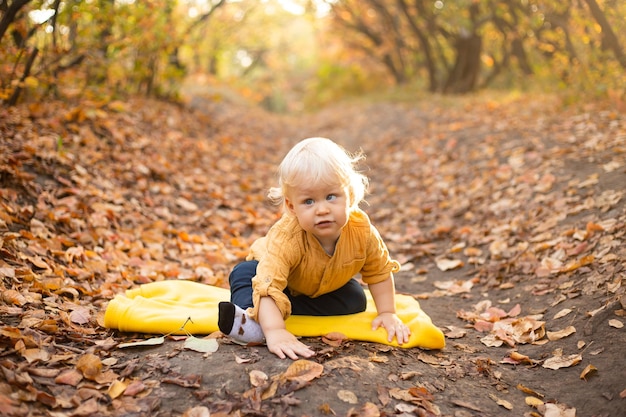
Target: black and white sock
<point>234,322</point>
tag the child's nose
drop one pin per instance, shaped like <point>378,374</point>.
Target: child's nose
<point>322,207</point>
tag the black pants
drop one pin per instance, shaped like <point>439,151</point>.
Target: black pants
<point>348,299</point>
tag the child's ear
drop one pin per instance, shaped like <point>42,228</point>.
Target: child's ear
<point>289,206</point>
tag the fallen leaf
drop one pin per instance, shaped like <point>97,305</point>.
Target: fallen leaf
<point>383,395</point>
<point>135,387</point>
<point>110,361</point>
<point>515,311</point>
<point>527,390</point>
<point>455,332</point>
<point>483,326</point>
<point>517,357</point>
<point>421,394</point>
<point>616,323</point>
<point>596,311</point>
<point>148,342</point>
<point>404,409</point>
<point>533,401</point>
<point>90,365</point>
<point>409,375</point>
<point>589,369</point>
<point>258,378</point>
<point>296,376</point>
<point>368,410</point>
<point>564,312</point>
<point>201,345</point>
<point>241,360</point>
<point>585,260</point>
<point>445,264</point>
<point>569,330</point>
<point>35,355</point>
<point>502,403</point>
<point>527,329</point>
<point>199,411</point>
<point>334,339</point>
<point>558,362</point>
<point>400,394</point>
<point>80,315</point>
<point>347,396</point>
<point>13,297</point>
<point>47,399</point>
<point>70,377</point>
<point>44,372</point>
<point>455,286</point>
<point>429,359</point>
<point>556,410</point>
<point>303,370</point>
<point>186,381</point>
<point>89,407</point>
<point>378,359</point>
<point>117,388</point>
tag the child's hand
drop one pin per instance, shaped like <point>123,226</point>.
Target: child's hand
<point>394,326</point>
<point>281,343</point>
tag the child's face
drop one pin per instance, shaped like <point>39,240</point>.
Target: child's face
<point>321,210</point>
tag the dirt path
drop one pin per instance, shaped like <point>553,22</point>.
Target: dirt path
<point>511,191</point>
<point>508,216</point>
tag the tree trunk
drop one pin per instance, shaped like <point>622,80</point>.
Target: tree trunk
<point>464,74</point>
<point>424,44</point>
<point>12,101</point>
<point>358,25</point>
<point>9,15</point>
<point>609,39</point>
<point>517,50</point>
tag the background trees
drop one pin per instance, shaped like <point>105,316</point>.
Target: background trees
<point>281,52</point>
<point>459,46</point>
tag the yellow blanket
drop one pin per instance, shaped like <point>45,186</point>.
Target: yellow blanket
<point>163,307</point>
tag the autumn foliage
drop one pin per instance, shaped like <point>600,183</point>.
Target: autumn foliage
<point>505,210</point>
<point>310,53</point>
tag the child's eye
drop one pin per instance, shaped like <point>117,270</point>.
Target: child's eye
<point>308,202</point>
<point>331,197</point>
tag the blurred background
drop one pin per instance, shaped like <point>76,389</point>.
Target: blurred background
<point>300,55</point>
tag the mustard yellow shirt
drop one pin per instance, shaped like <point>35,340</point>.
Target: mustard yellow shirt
<point>290,257</point>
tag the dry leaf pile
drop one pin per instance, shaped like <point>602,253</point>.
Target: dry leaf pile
<point>508,218</point>
<point>99,198</point>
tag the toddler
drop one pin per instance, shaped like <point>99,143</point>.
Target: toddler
<point>306,263</point>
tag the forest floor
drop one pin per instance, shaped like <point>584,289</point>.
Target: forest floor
<point>507,213</point>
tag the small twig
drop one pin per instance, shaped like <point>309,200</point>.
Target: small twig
<point>69,348</point>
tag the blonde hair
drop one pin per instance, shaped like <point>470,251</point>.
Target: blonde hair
<point>319,160</point>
